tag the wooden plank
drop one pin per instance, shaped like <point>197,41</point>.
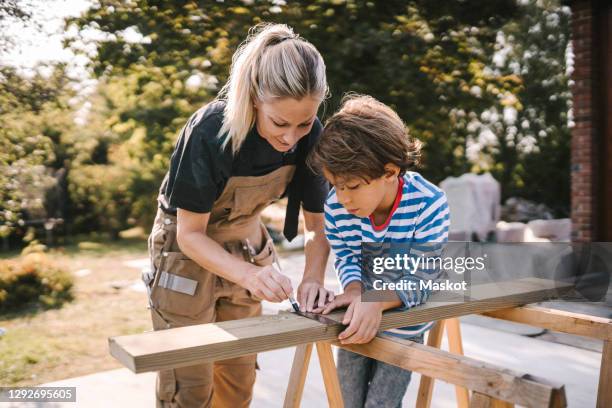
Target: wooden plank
<point>572,323</point>
<point>184,346</point>
<point>297,378</point>
<point>434,339</point>
<point>455,346</point>
<point>557,320</point>
<point>484,401</point>
<point>604,393</point>
<point>480,400</point>
<point>493,381</point>
<point>502,404</point>
<point>330,375</point>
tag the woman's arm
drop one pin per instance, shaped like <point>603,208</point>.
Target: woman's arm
<point>265,282</point>
<point>316,249</point>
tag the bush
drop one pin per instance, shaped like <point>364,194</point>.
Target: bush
<point>33,280</point>
<point>100,197</point>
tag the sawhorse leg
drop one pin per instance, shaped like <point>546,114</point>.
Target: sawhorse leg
<point>604,393</point>
<point>330,375</point>
<point>434,339</point>
<point>299,370</point>
<point>455,346</point>
<point>297,378</point>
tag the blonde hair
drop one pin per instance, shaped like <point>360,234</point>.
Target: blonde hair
<point>272,62</point>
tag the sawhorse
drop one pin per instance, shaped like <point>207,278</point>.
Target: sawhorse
<point>303,352</point>
<point>551,319</point>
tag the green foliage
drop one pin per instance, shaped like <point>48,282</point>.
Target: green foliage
<point>132,128</point>
<point>415,56</point>
<point>419,57</point>
<point>523,138</point>
<point>100,197</point>
<point>12,11</point>
<point>540,41</point>
<point>33,280</point>
<point>456,72</point>
<point>35,142</point>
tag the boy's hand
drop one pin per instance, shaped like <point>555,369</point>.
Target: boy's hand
<point>363,319</point>
<point>352,291</point>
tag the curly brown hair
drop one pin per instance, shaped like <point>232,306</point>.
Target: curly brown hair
<point>361,138</point>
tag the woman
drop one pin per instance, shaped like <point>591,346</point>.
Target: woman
<point>212,258</point>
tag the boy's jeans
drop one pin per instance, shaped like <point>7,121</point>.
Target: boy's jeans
<point>369,383</point>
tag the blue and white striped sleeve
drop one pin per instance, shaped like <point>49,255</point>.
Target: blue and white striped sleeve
<point>430,237</point>
<point>346,263</point>
<point>433,222</point>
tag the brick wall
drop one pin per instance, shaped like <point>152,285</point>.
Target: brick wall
<point>584,155</point>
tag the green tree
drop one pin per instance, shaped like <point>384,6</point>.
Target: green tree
<point>421,58</point>
<point>523,138</point>
<point>12,11</point>
<point>35,141</point>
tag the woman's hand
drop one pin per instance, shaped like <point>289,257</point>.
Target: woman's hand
<point>267,283</point>
<point>312,296</point>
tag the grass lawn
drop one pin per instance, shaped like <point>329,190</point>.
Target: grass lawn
<point>42,346</point>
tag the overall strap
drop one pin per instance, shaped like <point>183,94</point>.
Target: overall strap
<point>295,191</point>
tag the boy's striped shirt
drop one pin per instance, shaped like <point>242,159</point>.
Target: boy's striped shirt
<point>419,216</point>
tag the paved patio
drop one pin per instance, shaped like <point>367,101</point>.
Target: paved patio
<point>570,360</point>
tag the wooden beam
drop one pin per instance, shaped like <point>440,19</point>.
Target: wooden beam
<point>557,320</point>
<point>480,400</point>
<point>572,323</point>
<point>488,379</point>
<point>184,346</point>
<point>297,378</point>
<point>484,401</point>
<point>502,404</point>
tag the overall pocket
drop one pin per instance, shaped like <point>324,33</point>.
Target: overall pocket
<point>181,286</point>
<point>250,199</point>
<point>155,245</point>
<point>267,255</point>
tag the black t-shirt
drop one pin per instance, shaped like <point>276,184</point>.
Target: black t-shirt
<point>200,169</point>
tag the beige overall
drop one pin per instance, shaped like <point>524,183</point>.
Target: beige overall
<point>182,293</point>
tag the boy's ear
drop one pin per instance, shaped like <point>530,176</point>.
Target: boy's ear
<point>391,171</point>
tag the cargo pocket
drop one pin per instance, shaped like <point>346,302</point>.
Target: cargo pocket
<point>166,386</point>
<point>245,201</point>
<point>266,256</point>
<point>181,286</point>
<point>155,245</point>
<point>248,199</point>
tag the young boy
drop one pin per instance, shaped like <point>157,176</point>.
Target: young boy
<point>365,152</point>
